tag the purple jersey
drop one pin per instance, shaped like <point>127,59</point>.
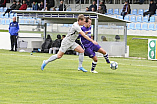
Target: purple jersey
<point>84,42</point>
<point>87,45</point>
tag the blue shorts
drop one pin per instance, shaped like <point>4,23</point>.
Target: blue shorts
<point>90,51</point>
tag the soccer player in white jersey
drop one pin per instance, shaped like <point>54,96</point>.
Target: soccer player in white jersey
<point>69,42</point>
<point>89,47</point>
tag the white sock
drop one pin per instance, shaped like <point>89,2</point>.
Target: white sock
<point>52,58</point>
<point>81,57</point>
<point>105,54</point>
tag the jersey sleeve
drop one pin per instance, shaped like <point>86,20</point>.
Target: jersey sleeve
<point>80,34</point>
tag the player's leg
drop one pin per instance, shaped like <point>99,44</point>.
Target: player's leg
<point>12,42</point>
<point>101,50</point>
<point>81,56</point>
<point>94,63</point>
<point>52,58</point>
<point>15,41</point>
<point>79,49</point>
<point>60,53</point>
<point>89,52</point>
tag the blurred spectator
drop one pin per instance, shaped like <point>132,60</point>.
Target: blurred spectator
<point>61,6</point>
<point>93,9</point>
<point>35,6</point>
<point>117,38</point>
<point>13,30</point>
<point>18,5</point>
<point>53,9</point>
<point>47,44</point>
<point>103,38</point>
<point>93,6</point>
<point>78,1</point>
<point>100,10</point>
<point>29,3</point>
<point>23,6</point>
<point>63,36</point>
<point>3,4</point>
<point>139,1</point>
<point>110,2</point>
<point>126,9</point>
<point>103,6</point>
<point>41,6</point>
<point>51,3</point>
<point>47,8</point>
<point>151,11</point>
<point>57,42</point>
<point>12,7</point>
<point>87,9</point>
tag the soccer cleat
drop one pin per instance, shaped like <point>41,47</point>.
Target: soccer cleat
<point>93,71</point>
<point>43,65</point>
<point>107,60</point>
<point>82,69</point>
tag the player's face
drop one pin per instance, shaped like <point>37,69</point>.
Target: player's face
<point>89,23</point>
<point>82,22</point>
<point>14,19</point>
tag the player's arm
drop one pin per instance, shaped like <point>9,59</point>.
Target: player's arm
<point>86,37</point>
<point>86,32</point>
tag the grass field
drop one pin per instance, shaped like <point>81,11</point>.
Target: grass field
<point>22,81</point>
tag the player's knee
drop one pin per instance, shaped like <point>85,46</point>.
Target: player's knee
<point>95,60</point>
<point>59,56</point>
<point>82,51</point>
<point>104,52</point>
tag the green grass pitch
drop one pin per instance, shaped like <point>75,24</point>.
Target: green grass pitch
<point>22,80</point>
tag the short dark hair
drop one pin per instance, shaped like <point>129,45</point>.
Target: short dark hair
<point>87,18</point>
<point>63,35</point>
<point>58,36</point>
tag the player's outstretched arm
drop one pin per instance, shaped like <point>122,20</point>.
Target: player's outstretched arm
<point>85,36</point>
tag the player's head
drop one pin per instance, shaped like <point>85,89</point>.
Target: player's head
<point>14,19</point>
<point>88,22</point>
<point>126,2</point>
<point>151,1</point>
<point>81,19</point>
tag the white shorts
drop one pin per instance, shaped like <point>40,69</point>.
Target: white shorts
<point>67,45</point>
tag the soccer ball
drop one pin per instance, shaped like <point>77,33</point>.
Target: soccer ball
<point>113,65</point>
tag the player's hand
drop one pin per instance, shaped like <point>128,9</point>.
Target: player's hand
<point>94,42</point>
<point>86,32</point>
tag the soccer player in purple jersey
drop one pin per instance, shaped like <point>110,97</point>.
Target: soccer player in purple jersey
<point>89,47</point>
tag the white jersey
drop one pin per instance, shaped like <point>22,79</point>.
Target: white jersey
<point>69,41</point>
<point>73,32</point>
